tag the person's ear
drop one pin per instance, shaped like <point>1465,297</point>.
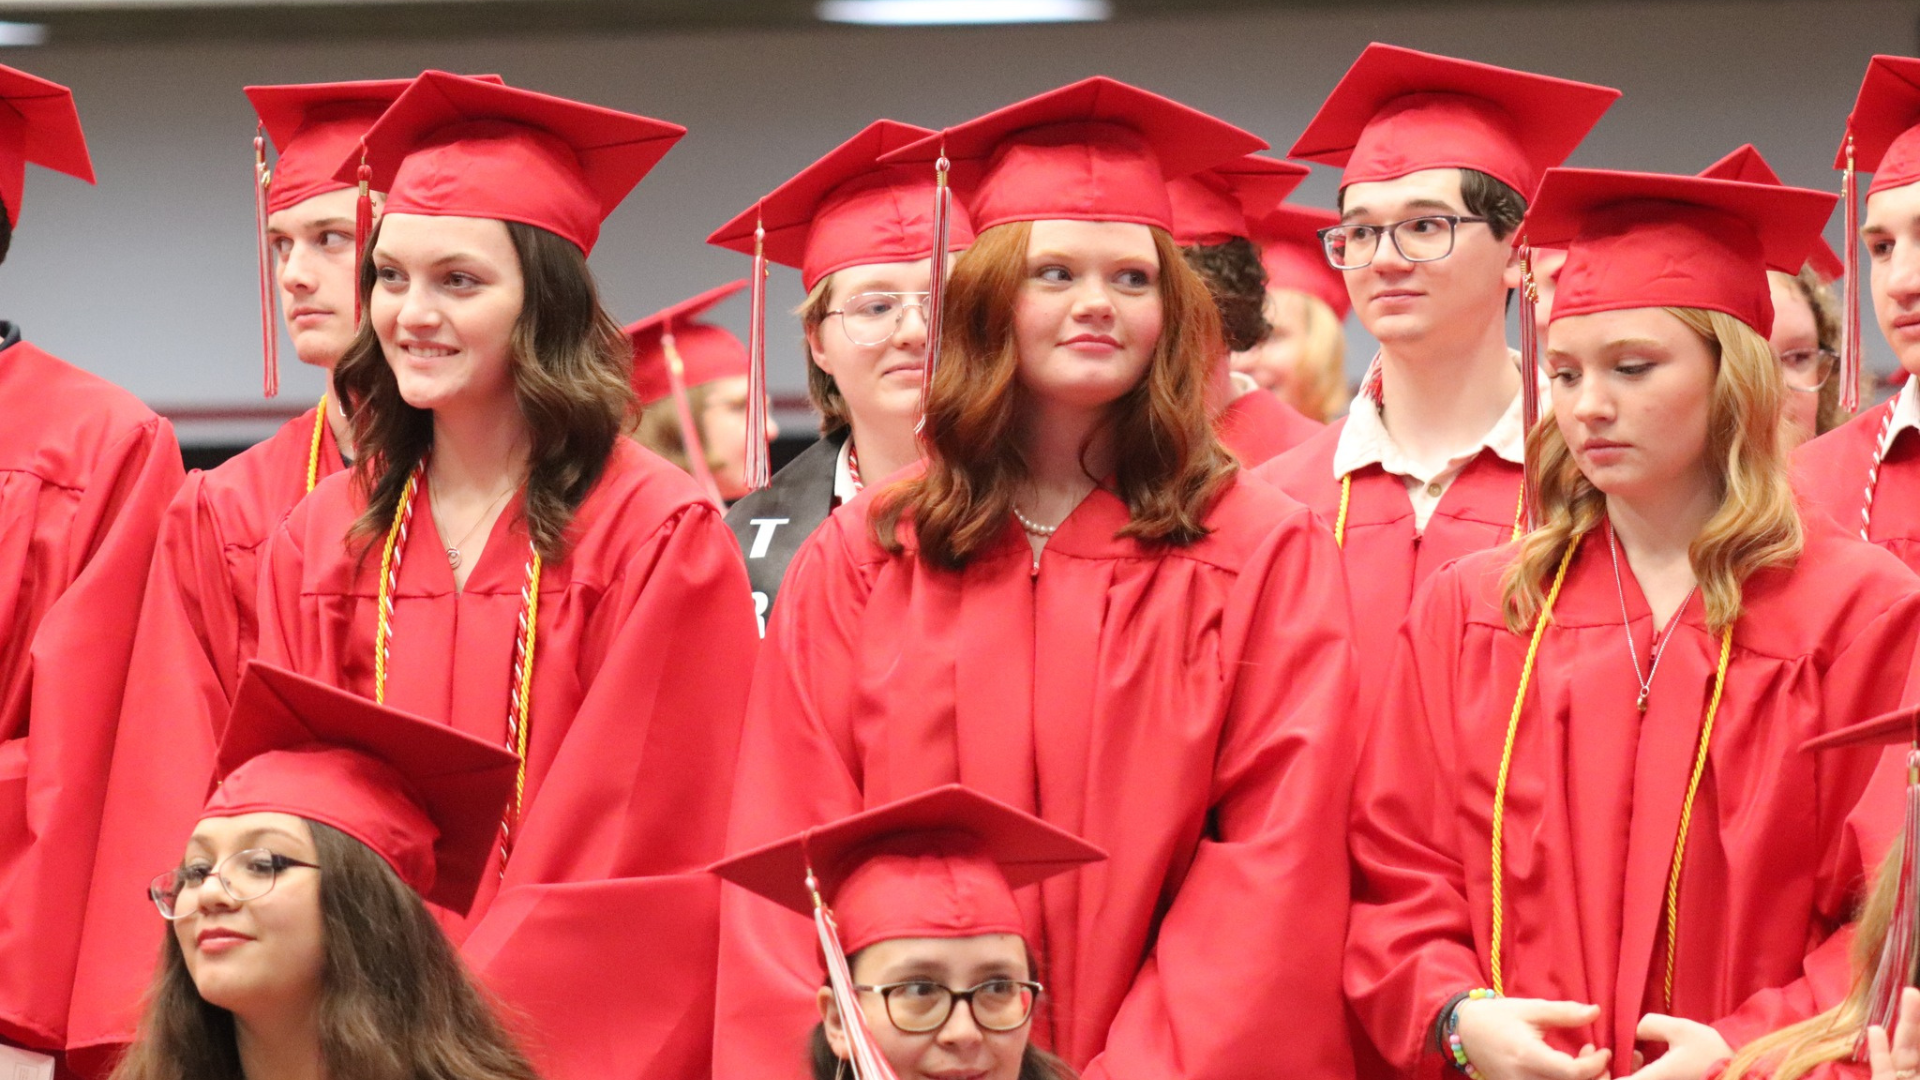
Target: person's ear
<point>831,1023</point>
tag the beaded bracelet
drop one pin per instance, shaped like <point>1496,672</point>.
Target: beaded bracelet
<point>1455,1048</point>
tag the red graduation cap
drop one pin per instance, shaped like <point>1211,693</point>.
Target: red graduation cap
<point>1215,205</point>
<point>452,146</point>
<point>314,127</point>
<point>425,797</point>
<point>1746,164</point>
<point>40,126</point>
<point>1290,249</point>
<point>1651,240</point>
<point>848,209</point>
<point>672,351</point>
<point>940,864</point>
<point>1398,111</point>
<point>1097,150</point>
<point>1884,126</point>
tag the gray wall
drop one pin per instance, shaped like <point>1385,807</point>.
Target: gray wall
<point>148,279</point>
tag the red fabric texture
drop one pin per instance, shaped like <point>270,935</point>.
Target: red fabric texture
<point>1830,477</point>
<point>1257,426</point>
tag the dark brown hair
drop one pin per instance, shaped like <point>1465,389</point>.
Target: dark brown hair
<point>1483,196</point>
<point>1169,465</point>
<point>1238,282</point>
<point>396,1004</point>
<point>572,377</point>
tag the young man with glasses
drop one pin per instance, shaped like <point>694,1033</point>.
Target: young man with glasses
<point>1440,156</point>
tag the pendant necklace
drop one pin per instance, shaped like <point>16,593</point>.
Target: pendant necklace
<point>453,549</point>
<point>1661,639</point>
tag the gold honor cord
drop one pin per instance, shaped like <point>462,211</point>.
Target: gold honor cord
<point>1672,900</point>
<point>313,452</point>
<point>1346,496</point>
<point>520,695</point>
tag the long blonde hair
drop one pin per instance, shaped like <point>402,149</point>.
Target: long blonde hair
<point>1320,383</point>
<point>1757,524</point>
<point>1794,1051</point>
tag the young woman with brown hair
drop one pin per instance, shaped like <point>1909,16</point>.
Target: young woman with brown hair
<point>298,945</point>
<point>1081,608</point>
<point>1570,848</point>
<point>501,558</point>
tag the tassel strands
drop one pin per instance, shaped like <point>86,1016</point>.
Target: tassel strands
<point>1895,972</point>
<point>269,328</point>
<point>936,278</point>
<point>759,455</point>
<point>1529,386</point>
<point>362,226</point>
<point>690,428</point>
<point>1850,319</point>
<point>863,1055</point>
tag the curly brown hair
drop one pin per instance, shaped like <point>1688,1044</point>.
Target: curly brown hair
<point>1169,466</point>
<point>1234,275</point>
<point>572,377</point>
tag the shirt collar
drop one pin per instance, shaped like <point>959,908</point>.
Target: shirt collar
<point>844,490</point>
<point>1364,440</point>
<point>1906,412</point>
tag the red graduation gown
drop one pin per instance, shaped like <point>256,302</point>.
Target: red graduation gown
<point>196,630</point>
<point>644,652</point>
<point>1257,426</point>
<point>1595,794</point>
<point>1386,555</point>
<point>85,475</point>
<point>1830,475</point>
<point>1186,709</point>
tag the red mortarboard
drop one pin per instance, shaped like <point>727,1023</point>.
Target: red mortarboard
<point>425,797</point>
<point>1885,124</point>
<point>451,146</point>
<point>847,209</point>
<point>706,352</point>
<point>1747,165</point>
<point>1097,150</point>
<point>1215,205</point>
<point>40,126</point>
<point>1891,728</point>
<point>1398,111</point>
<point>1291,250</point>
<point>314,127</point>
<point>940,864</point>
<point>1650,240</point>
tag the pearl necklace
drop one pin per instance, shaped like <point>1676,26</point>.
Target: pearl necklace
<point>1033,527</point>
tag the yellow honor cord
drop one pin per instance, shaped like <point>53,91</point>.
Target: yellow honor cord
<point>1506,766</point>
<point>523,687</point>
<point>1686,811</point>
<point>313,452</point>
<point>383,604</point>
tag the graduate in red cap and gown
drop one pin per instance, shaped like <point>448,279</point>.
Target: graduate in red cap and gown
<point>860,233</point>
<point>1146,649</point>
<point>197,624</point>
<point>1211,215</point>
<point>931,970</point>
<point>296,941</point>
<point>1571,848</point>
<point>691,381</point>
<point>1866,473</point>
<point>1303,358</point>
<point>86,471</point>
<point>1425,467</point>
<point>500,558</point>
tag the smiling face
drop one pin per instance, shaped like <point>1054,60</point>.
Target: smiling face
<point>311,243</point>
<point>960,1049</point>
<point>446,295</point>
<point>1891,232</point>
<point>1632,395</point>
<point>1088,314</point>
<point>1401,302</point>
<point>880,382</point>
<point>266,955</point>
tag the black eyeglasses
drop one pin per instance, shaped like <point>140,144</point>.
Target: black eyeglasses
<point>1421,239</point>
<point>918,1006</point>
<point>245,875</point>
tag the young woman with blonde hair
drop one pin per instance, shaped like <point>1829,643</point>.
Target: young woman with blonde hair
<point>1081,608</point>
<point>1572,848</point>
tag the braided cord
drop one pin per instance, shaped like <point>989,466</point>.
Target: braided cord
<point>390,558</point>
<point>1873,471</point>
<point>313,452</point>
<point>520,707</point>
<point>1340,520</point>
<point>1686,812</point>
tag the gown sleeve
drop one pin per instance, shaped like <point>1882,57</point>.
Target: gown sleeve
<point>793,772</point>
<point>1245,972</point>
<point>53,775</point>
<point>1410,944</point>
<point>180,678</point>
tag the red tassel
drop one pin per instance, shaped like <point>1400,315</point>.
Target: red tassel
<point>759,454</point>
<point>690,429</point>
<point>269,325</point>
<point>936,279</point>
<point>1895,971</point>
<point>362,227</point>
<point>1529,381</point>
<point>864,1059</point>
<point>1850,323</point>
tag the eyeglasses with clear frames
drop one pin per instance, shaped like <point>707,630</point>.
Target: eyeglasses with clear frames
<point>245,875</point>
<point>918,1006</point>
<point>1427,238</point>
<point>870,318</point>
<point>1807,370</point>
